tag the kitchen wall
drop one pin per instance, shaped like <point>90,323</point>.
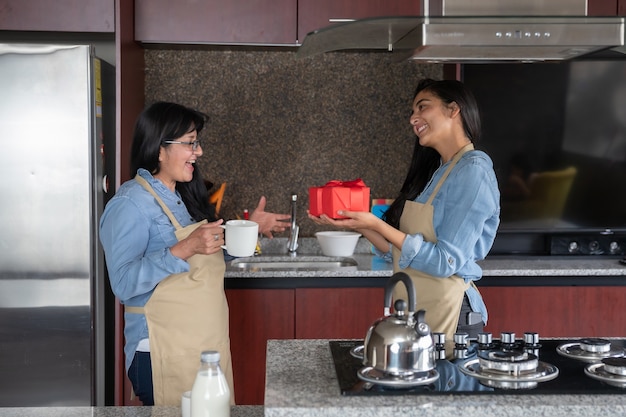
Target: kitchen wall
<point>280,124</point>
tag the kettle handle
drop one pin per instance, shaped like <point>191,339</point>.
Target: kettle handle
<point>410,289</point>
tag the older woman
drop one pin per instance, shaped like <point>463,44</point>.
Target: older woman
<point>162,244</point>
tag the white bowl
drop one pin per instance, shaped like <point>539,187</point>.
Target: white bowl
<point>337,243</point>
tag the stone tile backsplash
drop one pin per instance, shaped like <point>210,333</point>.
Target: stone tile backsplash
<point>280,124</point>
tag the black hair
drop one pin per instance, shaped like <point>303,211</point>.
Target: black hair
<point>163,121</point>
<point>425,161</point>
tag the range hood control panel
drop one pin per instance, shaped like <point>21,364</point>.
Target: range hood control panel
<point>608,244</point>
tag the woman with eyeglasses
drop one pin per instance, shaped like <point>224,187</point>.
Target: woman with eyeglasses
<point>162,243</point>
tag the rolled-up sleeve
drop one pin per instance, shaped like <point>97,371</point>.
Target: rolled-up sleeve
<point>387,256</point>
<point>410,249</point>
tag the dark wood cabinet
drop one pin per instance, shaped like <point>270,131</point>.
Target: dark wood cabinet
<point>255,317</point>
<point>337,313</point>
<point>214,21</point>
<point>58,16</point>
<point>130,73</point>
<point>602,7</point>
<point>264,22</point>
<point>316,14</point>
<point>129,79</point>
<point>556,311</point>
<point>271,22</point>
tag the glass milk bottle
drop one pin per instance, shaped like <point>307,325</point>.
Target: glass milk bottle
<point>210,395</point>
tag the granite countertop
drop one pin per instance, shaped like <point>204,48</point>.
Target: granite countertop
<point>301,382</point>
<point>369,265</point>
<point>158,411</point>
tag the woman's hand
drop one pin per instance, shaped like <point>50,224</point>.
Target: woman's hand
<point>269,222</point>
<point>374,229</point>
<point>206,240</point>
<point>356,220</point>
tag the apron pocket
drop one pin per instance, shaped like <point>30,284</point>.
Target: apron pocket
<point>176,374</point>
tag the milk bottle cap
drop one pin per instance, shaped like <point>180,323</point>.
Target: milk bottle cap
<point>210,356</point>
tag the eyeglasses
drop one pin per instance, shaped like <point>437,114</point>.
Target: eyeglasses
<point>194,145</point>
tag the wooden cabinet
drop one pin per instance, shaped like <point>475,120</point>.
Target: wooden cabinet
<point>602,7</point>
<point>607,7</point>
<point>216,21</point>
<point>559,311</point>
<point>337,313</point>
<point>130,73</point>
<point>556,311</point>
<point>255,317</point>
<point>59,15</point>
<point>129,79</point>
<point>316,14</point>
<point>267,22</point>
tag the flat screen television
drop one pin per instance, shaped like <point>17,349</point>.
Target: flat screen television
<point>557,135</point>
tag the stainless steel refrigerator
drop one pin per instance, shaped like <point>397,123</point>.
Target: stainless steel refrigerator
<point>57,145</point>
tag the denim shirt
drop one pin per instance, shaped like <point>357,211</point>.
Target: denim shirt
<point>136,236</point>
<point>466,217</point>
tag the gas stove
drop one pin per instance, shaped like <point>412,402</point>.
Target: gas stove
<point>495,366</point>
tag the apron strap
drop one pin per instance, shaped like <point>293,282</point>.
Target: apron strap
<point>134,310</point>
<point>455,159</point>
<point>166,209</point>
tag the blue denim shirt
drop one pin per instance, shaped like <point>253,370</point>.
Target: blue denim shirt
<point>466,218</point>
<point>136,236</point>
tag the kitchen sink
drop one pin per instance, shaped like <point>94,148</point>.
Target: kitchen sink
<point>286,263</point>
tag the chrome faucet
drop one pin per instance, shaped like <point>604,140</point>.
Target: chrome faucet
<point>292,245</point>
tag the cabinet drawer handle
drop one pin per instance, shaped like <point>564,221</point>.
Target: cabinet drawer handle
<point>340,20</point>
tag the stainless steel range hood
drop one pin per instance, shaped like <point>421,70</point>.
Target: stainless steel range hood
<point>478,31</point>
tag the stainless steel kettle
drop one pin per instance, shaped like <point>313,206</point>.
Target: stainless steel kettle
<point>401,343</point>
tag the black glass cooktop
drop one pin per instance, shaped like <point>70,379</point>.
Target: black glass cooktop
<point>571,378</point>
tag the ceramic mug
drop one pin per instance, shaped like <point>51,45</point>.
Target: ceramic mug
<point>241,237</point>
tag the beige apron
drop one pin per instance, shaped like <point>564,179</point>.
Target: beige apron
<point>441,298</point>
<point>186,314</point>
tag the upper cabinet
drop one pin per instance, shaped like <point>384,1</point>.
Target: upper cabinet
<point>263,22</point>
<point>58,16</point>
<point>270,22</point>
<point>603,7</point>
<point>316,14</point>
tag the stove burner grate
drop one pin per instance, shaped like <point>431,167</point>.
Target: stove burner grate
<point>616,366</point>
<point>590,350</point>
<point>611,371</point>
<point>385,379</point>
<point>512,362</point>
<point>510,379</point>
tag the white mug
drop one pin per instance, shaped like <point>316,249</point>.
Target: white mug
<point>241,237</point>
<point>185,404</point>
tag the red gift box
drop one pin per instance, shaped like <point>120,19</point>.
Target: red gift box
<point>339,195</point>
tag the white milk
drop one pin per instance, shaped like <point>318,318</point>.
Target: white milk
<point>210,395</point>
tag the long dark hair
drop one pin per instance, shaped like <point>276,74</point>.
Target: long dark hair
<point>425,161</point>
<point>166,121</point>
